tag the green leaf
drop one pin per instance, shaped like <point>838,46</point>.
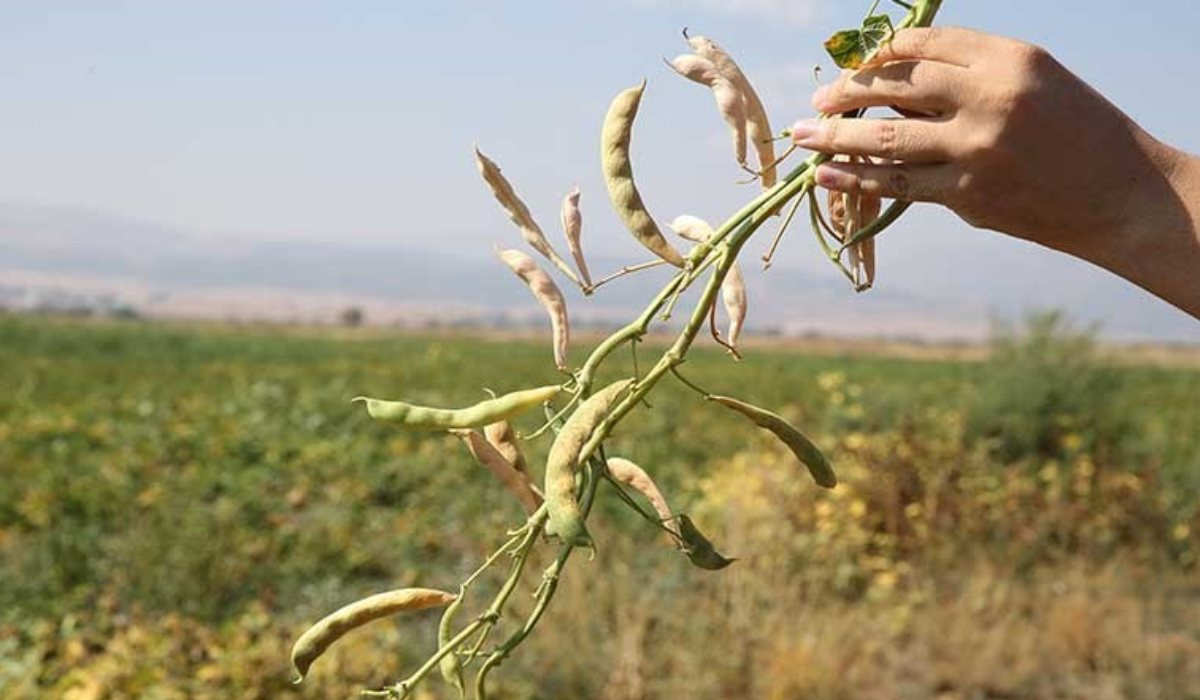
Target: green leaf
<point>699,550</point>
<point>851,47</point>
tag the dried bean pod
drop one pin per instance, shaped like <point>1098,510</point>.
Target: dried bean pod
<point>849,212</point>
<point>572,223</point>
<point>758,127</point>
<point>797,442</point>
<point>699,550</point>
<point>501,436</point>
<point>629,473</point>
<point>517,483</point>
<point>730,101</point>
<point>503,190</point>
<point>733,295</point>
<point>733,288</point>
<point>489,411</point>
<point>618,175</point>
<point>548,293</point>
<point>333,627</point>
<point>566,518</point>
<point>692,228</point>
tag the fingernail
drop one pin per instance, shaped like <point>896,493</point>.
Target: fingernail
<point>804,130</point>
<point>832,177</point>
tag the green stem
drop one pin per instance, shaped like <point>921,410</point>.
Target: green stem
<point>488,617</point>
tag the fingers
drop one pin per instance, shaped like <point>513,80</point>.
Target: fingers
<point>911,183</point>
<point>952,45</point>
<point>909,140</point>
<point>919,86</point>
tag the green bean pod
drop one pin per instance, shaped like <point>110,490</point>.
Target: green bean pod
<point>804,449</point>
<point>477,416</point>
<point>333,627</point>
<point>615,142</point>
<point>451,666</point>
<point>699,550</point>
<point>566,518</point>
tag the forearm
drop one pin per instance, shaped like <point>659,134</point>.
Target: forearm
<point>1158,247</point>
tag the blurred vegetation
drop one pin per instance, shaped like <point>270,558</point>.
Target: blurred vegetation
<point>178,503</point>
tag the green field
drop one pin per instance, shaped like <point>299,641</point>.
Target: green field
<point>177,503</point>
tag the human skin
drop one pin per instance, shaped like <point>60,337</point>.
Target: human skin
<point>1010,140</point>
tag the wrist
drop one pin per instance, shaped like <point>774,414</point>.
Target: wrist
<point>1158,244</point>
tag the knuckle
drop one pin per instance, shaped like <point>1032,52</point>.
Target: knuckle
<point>920,41</point>
<point>889,140</point>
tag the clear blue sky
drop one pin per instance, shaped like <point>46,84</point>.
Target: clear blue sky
<point>354,120</point>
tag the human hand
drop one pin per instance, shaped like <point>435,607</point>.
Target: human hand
<point>1009,139</point>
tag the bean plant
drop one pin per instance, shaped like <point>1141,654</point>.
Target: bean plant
<point>580,414</point>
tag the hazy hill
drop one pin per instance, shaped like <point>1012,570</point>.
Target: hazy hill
<point>165,270</point>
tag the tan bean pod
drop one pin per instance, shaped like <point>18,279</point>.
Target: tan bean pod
<point>548,294</point>
<point>691,228</point>
<point>629,473</point>
<point>515,482</point>
<point>733,288</point>
<point>758,127</point>
<point>733,295</point>
<point>572,224</point>
<point>333,627</point>
<point>615,142</point>
<point>730,102</point>
<point>566,518</point>
<point>849,212</point>
<point>502,436</point>
<point>503,190</point>
<point>803,448</point>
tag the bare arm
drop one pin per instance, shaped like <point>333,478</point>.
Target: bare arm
<point>1011,140</point>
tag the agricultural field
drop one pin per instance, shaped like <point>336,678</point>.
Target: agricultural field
<point>178,503</point>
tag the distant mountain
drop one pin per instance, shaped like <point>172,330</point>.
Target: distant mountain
<point>163,270</point>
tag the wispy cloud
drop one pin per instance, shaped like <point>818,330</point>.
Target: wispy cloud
<point>792,11</point>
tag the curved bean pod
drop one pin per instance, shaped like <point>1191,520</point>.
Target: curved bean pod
<point>501,436</point>
<point>572,223</point>
<point>733,296</point>
<point>618,175</point>
<point>517,483</point>
<point>733,288</point>
<point>566,518</point>
<point>546,292</point>
<point>333,627</point>
<point>801,446</point>
<point>503,190</point>
<point>847,214</point>
<point>629,473</point>
<point>451,666</point>
<point>757,125</point>
<point>699,550</point>
<point>730,102</point>
<point>489,411</point>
